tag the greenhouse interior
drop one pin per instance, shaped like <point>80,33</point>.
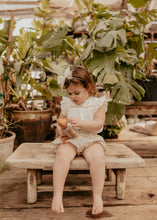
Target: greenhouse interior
<point>78,109</point>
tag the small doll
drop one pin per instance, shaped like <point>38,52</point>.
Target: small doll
<point>67,131</point>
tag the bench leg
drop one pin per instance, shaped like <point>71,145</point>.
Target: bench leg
<point>109,175</point>
<point>39,177</point>
<point>120,183</point>
<point>31,186</point>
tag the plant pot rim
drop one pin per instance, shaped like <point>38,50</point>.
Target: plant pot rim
<point>33,111</point>
<point>12,137</point>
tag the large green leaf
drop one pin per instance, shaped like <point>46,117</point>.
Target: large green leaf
<point>137,4</point>
<point>114,113</point>
<point>113,39</point>
<point>57,67</point>
<point>44,4</point>
<point>102,66</point>
<point>100,12</point>
<point>151,51</point>
<point>116,23</point>
<point>121,94</point>
<point>81,4</point>
<point>98,28</point>
<point>128,56</point>
<point>44,38</point>
<point>127,88</point>
<point>55,40</point>
<point>40,87</point>
<point>54,88</point>
<point>86,53</point>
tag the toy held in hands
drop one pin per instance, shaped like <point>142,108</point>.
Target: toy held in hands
<point>68,132</point>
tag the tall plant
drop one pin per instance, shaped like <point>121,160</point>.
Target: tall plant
<point>112,56</point>
<point>5,76</point>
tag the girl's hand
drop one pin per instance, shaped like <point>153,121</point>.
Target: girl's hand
<point>75,122</point>
<point>60,131</point>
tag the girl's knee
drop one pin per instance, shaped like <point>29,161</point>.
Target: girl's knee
<point>95,154</point>
<point>66,151</point>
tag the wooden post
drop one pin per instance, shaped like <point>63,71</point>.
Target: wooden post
<point>120,183</point>
<point>108,175</point>
<point>39,177</point>
<point>31,186</point>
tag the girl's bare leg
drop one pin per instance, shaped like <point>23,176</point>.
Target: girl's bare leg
<point>96,158</point>
<point>65,154</point>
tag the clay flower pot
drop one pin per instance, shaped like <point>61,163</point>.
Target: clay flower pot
<point>7,145</point>
<point>32,126</point>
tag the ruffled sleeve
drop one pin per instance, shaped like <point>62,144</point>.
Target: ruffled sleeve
<point>65,105</point>
<point>100,101</point>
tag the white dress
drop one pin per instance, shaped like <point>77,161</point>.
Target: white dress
<point>84,111</point>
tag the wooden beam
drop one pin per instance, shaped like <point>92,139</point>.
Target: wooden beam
<point>19,3</point>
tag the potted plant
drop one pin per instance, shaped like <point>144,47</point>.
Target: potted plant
<point>111,46</point>
<point>34,81</point>
<point>33,120</point>
<point>7,137</point>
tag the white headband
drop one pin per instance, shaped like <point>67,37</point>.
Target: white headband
<point>66,75</point>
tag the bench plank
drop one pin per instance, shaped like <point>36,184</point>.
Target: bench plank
<point>39,156</point>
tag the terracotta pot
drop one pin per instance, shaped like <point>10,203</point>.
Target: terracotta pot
<point>7,145</point>
<point>32,126</point>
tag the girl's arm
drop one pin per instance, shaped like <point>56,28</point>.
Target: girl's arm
<point>94,125</point>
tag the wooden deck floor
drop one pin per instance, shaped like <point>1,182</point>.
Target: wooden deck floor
<point>140,202</point>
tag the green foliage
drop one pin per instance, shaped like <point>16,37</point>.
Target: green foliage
<point>112,52</point>
<point>32,51</point>
<point>55,88</point>
<point>151,51</point>
<point>54,42</point>
<point>4,34</point>
<point>112,130</point>
<point>137,4</point>
<point>135,28</point>
<point>114,113</point>
<point>81,4</point>
<point>45,21</point>
<point>111,61</point>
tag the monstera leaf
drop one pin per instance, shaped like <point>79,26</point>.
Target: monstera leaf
<point>112,39</point>
<point>102,67</point>
<point>55,40</point>
<point>114,112</point>
<point>57,69</point>
<point>123,91</point>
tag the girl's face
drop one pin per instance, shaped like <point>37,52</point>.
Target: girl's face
<point>77,93</point>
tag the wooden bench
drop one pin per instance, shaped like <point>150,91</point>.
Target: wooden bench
<point>39,156</point>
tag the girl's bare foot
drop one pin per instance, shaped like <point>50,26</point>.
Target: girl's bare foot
<point>97,206</point>
<point>57,205</point>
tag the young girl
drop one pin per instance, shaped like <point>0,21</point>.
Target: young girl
<point>86,116</point>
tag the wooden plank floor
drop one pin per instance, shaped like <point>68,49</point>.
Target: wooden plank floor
<point>140,202</point>
<point>143,144</point>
